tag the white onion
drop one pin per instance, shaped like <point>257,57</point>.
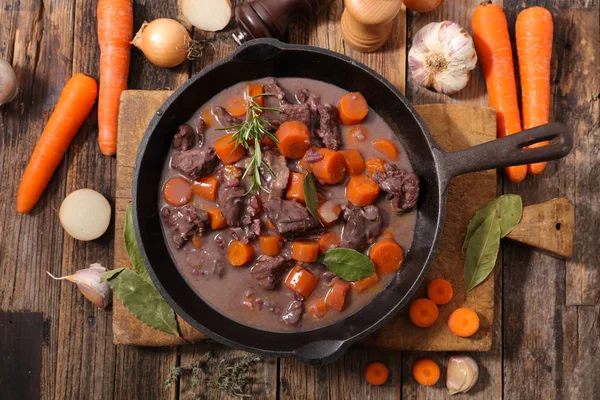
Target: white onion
<point>85,214</point>
<point>207,15</point>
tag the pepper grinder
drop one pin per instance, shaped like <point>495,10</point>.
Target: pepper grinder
<point>270,18</point>
<point>367,24</point>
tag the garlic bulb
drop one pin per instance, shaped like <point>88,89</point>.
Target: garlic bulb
<point>88,282</point>
<point>442,57</point>
<point>462,374</point>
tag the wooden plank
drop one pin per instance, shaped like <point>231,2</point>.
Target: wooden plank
<point>21,336</point>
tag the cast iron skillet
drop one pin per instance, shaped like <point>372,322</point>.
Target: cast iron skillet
<point>269,57</point>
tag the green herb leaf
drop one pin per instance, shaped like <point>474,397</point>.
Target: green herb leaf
<point>309,189</point>
<point>142,299</point>
<point>508,209</point>
<point>348,264</point>
<point>132,248</point>
<point>109,274</point>
<point>482,252</point>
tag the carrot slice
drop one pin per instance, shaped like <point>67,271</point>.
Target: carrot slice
<point>355,163</point>
<point>362,190</point>
<point>365,283</point>
<point>329,240</point>
<point>255,90</point>
<point>237,106</point>
<point>227,151</point>
<point>217,220</point>
<point>331,169</point>
<point>270,245</point>
<point>440,291</point>
<point>336,296</point>
<point>305,251</point>
<point>295,190</point>
<point>387,256</point>
<point>301,281</point>
<point>463,322</point>
<point>294,139</point>
<point>353,108</point>
<point>197,241</point>
<point>317,308</point>
<point>423,312</point>
<point>208,118</point>
<point>358,136</point>
<point>387,235</point>
<point>376,374</point>
<point>373,165</point>
<point>426,371</point>
<point>329,212</point>
<point>387,148</point>
<point>206,187</point>
<point>177,191</point>
<point>239,253</point>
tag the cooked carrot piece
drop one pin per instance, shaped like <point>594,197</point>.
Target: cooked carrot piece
<point>362,190</point>
<point>387,235</point>
<point>305,251</point>
<point>358,136</point>
<point>373,165</point>
<point>331,169</point>
<point>237,106</point>
<point>227,151</point>
<point>365,283</point>
<point>329,240</point>
<point>208,117</point>
<point>440,291</point>
<point>387,255</point>
<point>317,308</point>
<point>423,312</point>
<point>206,187</point>
<point>329,212</point>
<point>355,163</point>
<point>270,224</point>
<point>301,281</point>
<point>270,245</point>
<point>217,220</point>
<point>295,190</point>
<point>239,253</point>
<point>267,141</point>
<point>294,139</point>
<point>387,148</point>
<point>255,90</point>
<point>376,374</point>
<point>426,371</point>
<point>353,108</point>
<point>197,241</point>
<point>177,191</point>
<point>463,322</point>
<point>336,296</point>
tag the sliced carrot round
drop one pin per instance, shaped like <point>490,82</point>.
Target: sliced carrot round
<point>305,251</point>
<point>358,136</point>
<point>353,108</point>
<point>423,312</point>
<point>206,187</point>
<point>270,245</point>
<point>355,163</point>
<point>387,255</point>
<point>227,150</point>
<point>237,106</point>
<point>373,165</point>
<point>463,322</point>
<point>329,240</point>
<point>376,374</point>
<point>387,148</point>
<point>440,291</point>
<point>426,371</point>
<point>294,139</point>
<point>217,220</point>
<point>362,190</point>
<point>239,253</point>
<point>331,169</point>
<point>178,191</point>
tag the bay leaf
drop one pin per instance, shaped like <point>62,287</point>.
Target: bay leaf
<point>309,189</point>
<point>482,252</point>
<point>142,299</point>
<point>348,264</point>
<point>132,247</point>
<point>508,209</point>
<point>109,274</point>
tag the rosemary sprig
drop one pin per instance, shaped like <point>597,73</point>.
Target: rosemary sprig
<point>249,133</point>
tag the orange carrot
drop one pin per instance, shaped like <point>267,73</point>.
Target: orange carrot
<point>373,165</point>
<point>177,191</point>
<point>387,148</point>
<point>197,241</point>
<point>463,322</point>
<point>237,106</point>
<point>270,224</point>
<point>440,291</point>
<point>533,32</point>
<point>358,136</point>
<point>336,296</point>
<point>305,251</point>
<point>206,187</point>
<point>209,118</point>
<point>376,374</point>
<point>217,220</point>
<point>301,281</point>
<point>387,235</point>
<point>365,283</point>
<point>355,163</point>
<point>270,245</point>
<point>490,32</point>
<point>353,108</point>
<point>231,172</point>
<point>115,32</point>
<point>329,212</point>
<point>362,190</point>
<point>73,107</point>
<point>255,90</point>
<point>423,312</point>
<point>294,139</point>
<point>426,371</point>
<point>387,255</point>
<point>331,169</point>
<point>239,253</point>
<point>227,151</point>
<point>329,240</point>
<point>317,308</point>
<point>295,189</point>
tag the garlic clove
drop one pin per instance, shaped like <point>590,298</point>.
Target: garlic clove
<point>462,374</point>
<point>88,282</point>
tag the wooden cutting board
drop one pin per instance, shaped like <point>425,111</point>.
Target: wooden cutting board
<point>455,127</point>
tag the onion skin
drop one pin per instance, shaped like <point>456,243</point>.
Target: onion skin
<point>165,42</point>
<point>422,6</point>
<point>8,82</point>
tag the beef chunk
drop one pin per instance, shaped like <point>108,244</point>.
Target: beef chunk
<point>268,271</point>
<point>278,165</point>
<point>195,163</point>
<point>329,127</point>
<point>305,96</point>
<point>289,216</point>
<point>312,155</point>
<point>361,227</point>
<point>250,218</point>
<point>272,87</point>
<point>185,222</point>
<point>184,138</point>
<point>292,314</point>
<point>201,128</point>
<point>296,112</point>
<point>402,187</point>
<point>225,119</point>
<point>231,201</point>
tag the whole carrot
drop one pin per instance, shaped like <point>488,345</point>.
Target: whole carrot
<point>115,32</point>
<point>74,105</point>
<point>490,32</point>
<point>534,30</point>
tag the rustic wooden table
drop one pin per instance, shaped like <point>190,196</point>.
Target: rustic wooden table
<point>547,325</point>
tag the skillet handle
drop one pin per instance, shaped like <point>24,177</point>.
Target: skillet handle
<point>510,150</point>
